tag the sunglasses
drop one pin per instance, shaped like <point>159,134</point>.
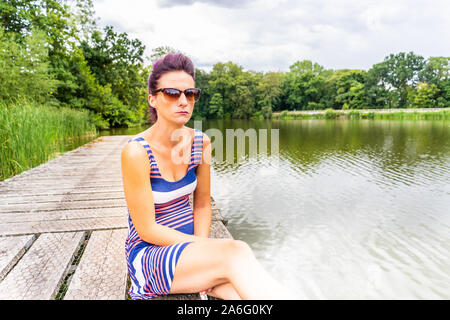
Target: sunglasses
<point>172,94</point>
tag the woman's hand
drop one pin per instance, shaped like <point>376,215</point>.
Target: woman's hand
<point>203,294</point>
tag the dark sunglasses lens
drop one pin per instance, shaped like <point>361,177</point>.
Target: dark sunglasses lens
<point>192,94</point>
<point>172,93</point>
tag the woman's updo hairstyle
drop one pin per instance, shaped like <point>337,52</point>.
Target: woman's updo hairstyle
<point>170,62</point>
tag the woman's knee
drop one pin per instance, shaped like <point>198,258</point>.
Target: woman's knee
<point>237,250</point>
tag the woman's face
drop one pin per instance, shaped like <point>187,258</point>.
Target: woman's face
<point>169,109</point>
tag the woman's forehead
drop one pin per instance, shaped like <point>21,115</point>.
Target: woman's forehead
<point>176,78</point>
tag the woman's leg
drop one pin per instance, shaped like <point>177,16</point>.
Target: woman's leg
<point>207,264</point>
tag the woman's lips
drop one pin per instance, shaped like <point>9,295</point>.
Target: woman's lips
<point>182,112</point>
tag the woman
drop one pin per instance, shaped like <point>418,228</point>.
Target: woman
<point>168,250</point>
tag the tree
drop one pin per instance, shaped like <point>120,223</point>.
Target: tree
<point>223,80</point>
<point>269,92</point>
<point>25,68</point>
<point>304,66</point>
<point>396,73</point>
<point>349,89</point>
<point>426,96</point>
<point>83,16</point>
<point>376,87</point>
<point>304,84</point>
<point>436,70</point>
<point>15,16</point>
<point>53,18</point>
<point>216,106</point>
<point>243,99</point>
<point>160,52</point>
<point>117,61</point>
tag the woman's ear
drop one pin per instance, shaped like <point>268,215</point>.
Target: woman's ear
<point>151,100</point>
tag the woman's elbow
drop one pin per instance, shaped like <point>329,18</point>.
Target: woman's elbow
<point>147,234</point>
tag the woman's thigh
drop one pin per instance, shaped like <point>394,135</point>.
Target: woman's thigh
<point>201,265</point>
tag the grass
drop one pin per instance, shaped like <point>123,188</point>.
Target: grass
<point>356,114</point>
<point>31,134</point>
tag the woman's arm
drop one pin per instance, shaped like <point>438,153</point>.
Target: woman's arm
<point>140,202</point>
<point>202,193</point>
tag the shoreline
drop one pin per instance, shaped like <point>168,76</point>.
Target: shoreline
<point>405,110</point>
<point>422,113</point>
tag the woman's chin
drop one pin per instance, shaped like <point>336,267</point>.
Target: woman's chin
<point>182,120</point>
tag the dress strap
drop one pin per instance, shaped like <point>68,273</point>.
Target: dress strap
<point>197,149</point>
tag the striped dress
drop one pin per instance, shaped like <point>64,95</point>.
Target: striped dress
<point>151,267</point>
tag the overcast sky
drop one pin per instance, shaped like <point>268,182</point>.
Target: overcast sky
<point>270,35</point>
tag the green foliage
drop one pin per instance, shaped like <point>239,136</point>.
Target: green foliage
<point>426,96</point>
<point>268,92</point>
<point>306,66</point>
<point>201,109</point>
<point>392,77</point>
<point>313,106</point>
<point>266,112</point>
<point>354,114</point>
<point>304,84</point>
<point>24,68</point>
<point>349,88</point>
<point>116,61</point>
<point>330,114</point>
<point>283,114</point>
<point>160,52</point>
<point>216,106</point>
<point>257,115</point>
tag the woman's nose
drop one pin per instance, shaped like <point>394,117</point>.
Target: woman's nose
<point>183,99</point>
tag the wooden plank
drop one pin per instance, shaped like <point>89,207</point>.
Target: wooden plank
<point>38,275</point>
<point>62,215</point>
<point>27,199</point>
<point>11,189</point>
<point>49,206</point>
<point>68,176</point>
<point>49,195</point>
<point>22,228</point>
<point>102,272</point>
<point>11,250</point>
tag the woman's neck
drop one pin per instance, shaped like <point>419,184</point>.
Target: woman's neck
<point>165,134</point>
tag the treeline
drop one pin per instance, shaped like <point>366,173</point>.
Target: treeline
<point>403,80</point>
<point>51,51</point>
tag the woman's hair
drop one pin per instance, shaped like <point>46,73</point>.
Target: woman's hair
<point>170,62</point>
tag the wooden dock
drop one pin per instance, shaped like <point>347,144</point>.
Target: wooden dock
<point>63,226</point>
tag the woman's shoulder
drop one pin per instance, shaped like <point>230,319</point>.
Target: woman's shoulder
<point>134,148</point>
<point>134,159</point>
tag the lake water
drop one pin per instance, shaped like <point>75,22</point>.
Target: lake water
<point>347,209</point>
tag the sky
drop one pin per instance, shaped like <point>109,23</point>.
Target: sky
<point>271,35</point>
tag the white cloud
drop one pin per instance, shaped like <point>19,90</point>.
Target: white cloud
<point>265,35</point>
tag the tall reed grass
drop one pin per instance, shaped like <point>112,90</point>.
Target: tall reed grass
<point>31,134</point>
